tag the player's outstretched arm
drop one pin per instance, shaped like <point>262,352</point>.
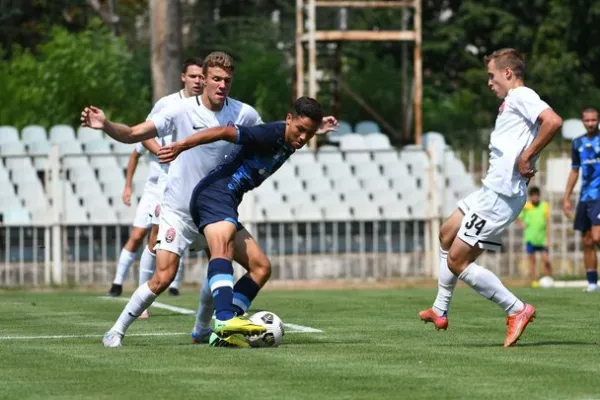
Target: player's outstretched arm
<point>169,153</point>
<point>94,117</point>
<point>550,122</point>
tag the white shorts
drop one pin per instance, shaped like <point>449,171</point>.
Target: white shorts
<point>487,214</point>
<point>145,208</point>
<point>161,184</point>
<point>177,232</point>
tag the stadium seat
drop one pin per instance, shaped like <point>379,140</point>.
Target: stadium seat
<point>436,142</point>
<point>346,185</point>
<point>416,160</point>
<point>330,197</point>
<point>352,142</point>
<point>4,176</point>
<point>121,148</point>
<point>268,199</point>
<point>39,148</point>
<point>344,128</point>
<point>8,197</point>
<point>20,167</point>
<point>572,128</point>
<point>88,189</point>
<point>85,134</point>
<point>297,198</point>
<point>106,162</point>
<point>395,211</point>
<point>375,185</point>
<point>367,171</point>
<point>377,141</point>
<point>33,134</point>
<point>286,171</point>
<point>75,162</point>
<point>336,212</point>
<point>61,133</point>
<point>70,147</point>
<point>303,159</point>
<point>113,188</point>
<point>75,216</point>
<point>405,185</point>
<point>329,157</point>
<point>125,214</point>
<point>289,186</point>
<point>283,213</point>
<point>307,212</point>
<point>338,171</point>
<point>97,146</point>
<point>29,188</point>
<point>12,149</point>
<point>365,211</point>
<point>318,184</point>
<point>385,156</point>
<point>8,134</point>
<point>366,127</point>
<point>397,169</point>
<point>17,216</point>
<point>358,157</point>
<point>107,175</point>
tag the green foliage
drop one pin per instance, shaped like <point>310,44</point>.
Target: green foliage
<point>68,72</point>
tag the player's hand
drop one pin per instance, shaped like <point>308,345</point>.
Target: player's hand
<point>169,153</point>
<point>567,207</point>
<point>524,167</point>
<point>93,117</point>
<point>127,196</point>
<point>329,124</point>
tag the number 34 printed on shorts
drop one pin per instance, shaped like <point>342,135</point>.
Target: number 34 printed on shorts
<point>475,223</point>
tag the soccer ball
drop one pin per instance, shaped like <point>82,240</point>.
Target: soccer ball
<point>546,282</point>
<point>272,337</point>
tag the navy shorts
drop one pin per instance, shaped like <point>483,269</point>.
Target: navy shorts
<point>586,215</point>
<point>214,203</point>
<point>532,249</point>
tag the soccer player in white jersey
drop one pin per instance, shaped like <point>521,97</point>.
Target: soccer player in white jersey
<point>148,209</point>
<point>524,126</point>
<point>177,229</point>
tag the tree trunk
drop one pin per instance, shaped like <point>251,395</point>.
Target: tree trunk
<point>165,25</point>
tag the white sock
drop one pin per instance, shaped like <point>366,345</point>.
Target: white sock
<point>489,286</point>
<point>147,265</point>
<point>177,281</point>
<point>446,284</point>
<point>205,308</point>
<point>140,300</point>
<point>126,259</point>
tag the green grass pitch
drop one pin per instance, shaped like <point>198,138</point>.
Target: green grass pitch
<point>373,347</point>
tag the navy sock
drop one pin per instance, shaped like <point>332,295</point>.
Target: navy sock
<point>220,280</point>
<point>592,276</point>
<point>244,292</point>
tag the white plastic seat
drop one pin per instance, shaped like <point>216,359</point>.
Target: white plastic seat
<point>8,197</point>
<point>82,173</point>
<point>106,162</point>
<point>366,127</point>
<point>318,185</point>
<point>103,216</point>
<point>338,171</point>
<point>375,185</point>
<point>572,128</point>
<point>352,141</point>
<point>329,157</point>
<point>416,160</point>
<point>397,169</point>
<point>30,188</point>
<point>76,162</point>
<point>377,141</point>
<point>404,185</point>
<point>34,134</point>
<point>385,156</point>
<point>308,212</point>
<point>367,171</point>
<point>344,127</point>
<point>289,186</point>
<point>97,146</point>
<point>113,188</point>
<point>125,214</point>
<point>17,216</point>
<point>4,176</point>
<point>297,198</point>
<point>61,133</point>
<point>336,212</point>
<point>121,148</point>
<point>365,211</point>
<point>88,189</point>
<point>39,148</point>
<point>85,134</point>
<point>283,213</point>
<point>8,134</point>
<point>12,149</point>
<point>70,147</point>
<point>347,185</point>
<point>330,197</point>
<point>286,171</point>
<point>307,172</point>
<point>20,168</point>
<point>303,159</point>
<point>395,211</point>
<point>75,216</point>
<point>358,157</point>
<point>108,175</point>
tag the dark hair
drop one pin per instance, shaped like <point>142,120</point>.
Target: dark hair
<point>308,107</point>
<point>534,190</point>
<point>590,110</point>
<point>507,58</point>
<point>190,61</point>
<point>218,59</point>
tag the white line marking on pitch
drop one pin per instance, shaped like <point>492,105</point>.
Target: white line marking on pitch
<point>86,336</point>
<point>186,311</point>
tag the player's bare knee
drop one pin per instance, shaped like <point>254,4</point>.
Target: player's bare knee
<point>588,241</point>
<point>457,263</point>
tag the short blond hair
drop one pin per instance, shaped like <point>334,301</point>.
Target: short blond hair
<point>218,59</point>
<point>510,58</point>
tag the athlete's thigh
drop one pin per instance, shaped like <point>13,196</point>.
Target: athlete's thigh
<point>461,254</point>
<point>450,229</point>
<point>220,237</point>
<point>167,261</point>
<point>247,251</point>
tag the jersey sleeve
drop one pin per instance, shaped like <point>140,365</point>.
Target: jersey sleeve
<point>264,135</point>
<point>529,104</point>
<point>575,158</point>
<point>158,107</point>
<point>164,120</point>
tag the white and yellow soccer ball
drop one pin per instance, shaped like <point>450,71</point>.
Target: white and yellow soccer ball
<point>274,334</point>
<point>546,282</point>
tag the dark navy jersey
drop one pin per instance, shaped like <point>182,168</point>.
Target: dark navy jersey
<point>586,155</point>
<point>260,152</point>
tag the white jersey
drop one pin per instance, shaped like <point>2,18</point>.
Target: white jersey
<point>155,168</point>
<point>186,118</point>
<point>516,127</point>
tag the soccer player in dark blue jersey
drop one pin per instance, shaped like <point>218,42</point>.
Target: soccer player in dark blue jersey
<point>586,156</point>
<point>214,204</point>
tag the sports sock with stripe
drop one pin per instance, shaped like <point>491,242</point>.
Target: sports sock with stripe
<point>244,292</point>
<point>220,279</point>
